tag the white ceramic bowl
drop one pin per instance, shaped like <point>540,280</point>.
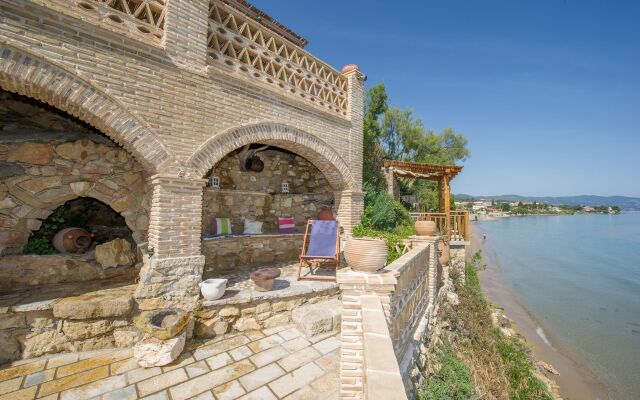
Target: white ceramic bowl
<point>213,289</point>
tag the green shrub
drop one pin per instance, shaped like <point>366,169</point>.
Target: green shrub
<point>451,382</point>
<point>383,213</point>
<point>38,245</point>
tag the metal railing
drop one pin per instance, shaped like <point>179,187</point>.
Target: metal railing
<point>458,223</point>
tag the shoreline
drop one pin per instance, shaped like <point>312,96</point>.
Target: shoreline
<point>574,380</point>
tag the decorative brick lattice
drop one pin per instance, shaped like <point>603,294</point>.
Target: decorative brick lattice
<point>235,39</point>
<point>139,16</point>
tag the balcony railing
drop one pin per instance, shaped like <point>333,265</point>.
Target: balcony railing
<point>144,17</point>
<point>237,40</point>
<point>458,225</point>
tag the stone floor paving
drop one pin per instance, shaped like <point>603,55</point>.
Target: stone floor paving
<point>277,363</point>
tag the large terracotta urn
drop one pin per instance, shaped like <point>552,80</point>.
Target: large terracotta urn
<point>366,254</point>
<point>443,252</point>
<point>426,228</point>
<point>72,240</point>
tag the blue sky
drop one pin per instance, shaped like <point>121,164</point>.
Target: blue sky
<point>547,92</point>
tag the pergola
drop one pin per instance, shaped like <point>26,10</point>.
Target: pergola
<point>443,174</point>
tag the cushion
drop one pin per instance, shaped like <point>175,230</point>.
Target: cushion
<point>221,226</point>
<point>252,227</point>
<point>286,225</point>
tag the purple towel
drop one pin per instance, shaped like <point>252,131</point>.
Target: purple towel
<point>323,237</point>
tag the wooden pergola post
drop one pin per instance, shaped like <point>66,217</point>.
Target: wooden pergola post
<point>440,209</point>
<point>447,207</point>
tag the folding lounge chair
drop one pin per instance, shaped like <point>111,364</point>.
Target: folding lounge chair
<point>321,247</point>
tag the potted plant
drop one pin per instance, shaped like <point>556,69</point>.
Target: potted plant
<point>366,254</point>
<point>426,228</point>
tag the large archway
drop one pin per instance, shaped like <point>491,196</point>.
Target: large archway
<point>319,153</point>
<point>37,78</point>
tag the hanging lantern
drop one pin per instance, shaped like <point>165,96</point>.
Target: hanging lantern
<point>214,181</point>
<point>285,187</point>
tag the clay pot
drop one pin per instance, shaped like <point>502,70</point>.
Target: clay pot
<point>426,228</point>
<point>264,278</point>
<point>443,252</point>
<point>72,240</point>
<point>366,254</point>
<point>325,215</point>
<point>255,164</point>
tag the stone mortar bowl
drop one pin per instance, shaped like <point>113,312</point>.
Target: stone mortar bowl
<point>162,324</point>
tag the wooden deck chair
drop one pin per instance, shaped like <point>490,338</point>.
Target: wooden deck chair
<point>321,248</point>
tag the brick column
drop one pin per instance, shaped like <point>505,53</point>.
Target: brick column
<point>173,266</point>
<point>349,206</point>
<point>185,38</point>
<point>355,112</point>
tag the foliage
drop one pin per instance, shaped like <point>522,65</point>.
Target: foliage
<point>382,212</point>
<point>393,239</point>
<point>38,245</point>
<point>500,366</point>
<point>451,382</point>
<point>396,134</point>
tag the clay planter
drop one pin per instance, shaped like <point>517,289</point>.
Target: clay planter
<point>443,252</point>
<point>264,278</point>
<point>325,215</point>
<point>366,254</point>
<point>72,240</point>
<point>426,228</point>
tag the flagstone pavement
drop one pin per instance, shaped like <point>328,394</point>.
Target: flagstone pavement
<point>278,363</point>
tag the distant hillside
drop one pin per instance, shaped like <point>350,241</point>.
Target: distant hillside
<point>625,203</point>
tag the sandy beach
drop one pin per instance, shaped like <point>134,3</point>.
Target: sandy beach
<point>575,380</point>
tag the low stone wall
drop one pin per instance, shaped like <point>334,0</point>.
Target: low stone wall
<point>97,320</point>
<point>247,252</point>
<point>218,317</point>
<point>405,290</point>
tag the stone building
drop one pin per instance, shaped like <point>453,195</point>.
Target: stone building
<point>137,103</point>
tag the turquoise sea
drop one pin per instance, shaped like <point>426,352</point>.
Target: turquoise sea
<point>579,277</point>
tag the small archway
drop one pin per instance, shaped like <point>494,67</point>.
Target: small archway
<point>37,78</point>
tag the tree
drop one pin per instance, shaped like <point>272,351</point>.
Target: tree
<point>396,134</point>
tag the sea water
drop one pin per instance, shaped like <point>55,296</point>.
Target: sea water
<point>579,276</point>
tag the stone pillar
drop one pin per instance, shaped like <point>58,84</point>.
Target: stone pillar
<point>174,264</point>
<point>349,206</point>
<point>185,37</point>
<point>392,183</point>
<point>355,112</point>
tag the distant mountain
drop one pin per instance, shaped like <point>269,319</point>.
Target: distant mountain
<point>625,203</point>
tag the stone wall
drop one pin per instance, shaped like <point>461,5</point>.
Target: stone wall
<point>257,195</point>
<point>37,177</point>
<point>220,317</point>
<point>404,292</point>
<point>224,255</point>
<point>98,320</point>
<point>279,166</point>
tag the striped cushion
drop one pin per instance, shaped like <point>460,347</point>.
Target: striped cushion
<point>286,225</point>
<point>221,226</point>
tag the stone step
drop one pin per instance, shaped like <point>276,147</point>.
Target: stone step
<point>314,319</point>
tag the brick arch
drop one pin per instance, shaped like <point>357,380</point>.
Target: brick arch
<point>35,77</point>
<point>319,153</point>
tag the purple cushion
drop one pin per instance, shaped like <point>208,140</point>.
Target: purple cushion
<point>323,238</point>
